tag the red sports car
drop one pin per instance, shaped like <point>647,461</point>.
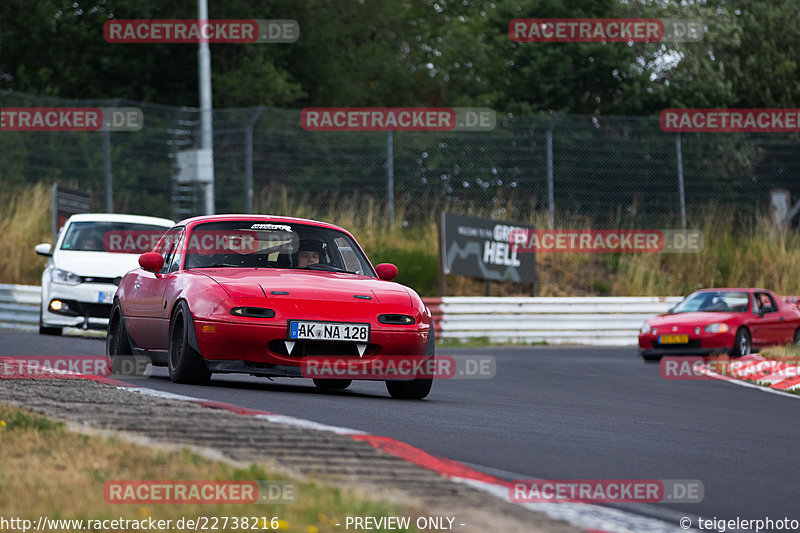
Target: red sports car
<point>264,295</point>
<point>733,321</point>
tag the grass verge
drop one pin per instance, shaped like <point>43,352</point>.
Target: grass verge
<point>47,471</point>
<point>784,352</point>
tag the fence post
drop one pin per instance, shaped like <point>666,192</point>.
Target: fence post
<point>680,179</point>
<point>248,161</point>
<point>206,169</point>
<point>550,195</point>
<point>107,170</point>
<point>390,174</point>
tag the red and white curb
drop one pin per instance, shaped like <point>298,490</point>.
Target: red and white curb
<point>591,518</point>
<point>755,370</point>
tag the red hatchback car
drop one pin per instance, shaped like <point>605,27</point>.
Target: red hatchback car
<point>733,321</point>
<point>263,295</point>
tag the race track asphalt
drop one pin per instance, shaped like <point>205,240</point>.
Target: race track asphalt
<point>551,412</point>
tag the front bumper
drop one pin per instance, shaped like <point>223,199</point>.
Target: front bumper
<point>88,305</point>
<point>263,344</point>
<point>702,343</point>
<point>685,351</point>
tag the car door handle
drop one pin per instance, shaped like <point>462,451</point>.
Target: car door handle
<point>781,319</point>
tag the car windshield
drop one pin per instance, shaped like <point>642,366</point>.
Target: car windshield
<point>118,237</point>
<point>721,301</point>
<point>259,244</point>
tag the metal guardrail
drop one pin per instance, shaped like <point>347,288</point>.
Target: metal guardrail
<point>610,321</point>
<point>595,320</point>
<point>19,306</point>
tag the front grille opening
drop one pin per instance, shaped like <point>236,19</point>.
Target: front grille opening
<point>693,343</point>
<point>306,348</point>
<point>252,364</point>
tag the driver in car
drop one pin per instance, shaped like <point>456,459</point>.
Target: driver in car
<point>309,252</point>
<point>93,243</point>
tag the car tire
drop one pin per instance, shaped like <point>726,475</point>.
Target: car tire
<point>117,342</point>
<point>742,343</point>
<point>185,364</point>
<point>415,389</point>
<point>48,330</point>
<point>332,384</point>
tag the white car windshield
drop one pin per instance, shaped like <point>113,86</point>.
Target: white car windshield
<point>118,237</point>
<point>719,301</point>
<point>259,244</point>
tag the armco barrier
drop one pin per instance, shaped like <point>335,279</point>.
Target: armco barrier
<point>596,320</point>
<point>613,321</point>
<point>19,305</point>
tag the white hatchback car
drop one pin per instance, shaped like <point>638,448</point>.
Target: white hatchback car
<point>92,253</point>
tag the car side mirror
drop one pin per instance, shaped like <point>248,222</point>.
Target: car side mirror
<point>761,313</point>
<point>44,249</point>
<point>151,261</point>
<point>386,271</point>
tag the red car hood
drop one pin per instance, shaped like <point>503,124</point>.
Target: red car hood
<point>306,285</point>
<point>691,319</point>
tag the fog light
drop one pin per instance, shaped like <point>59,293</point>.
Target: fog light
<point>56,305</point>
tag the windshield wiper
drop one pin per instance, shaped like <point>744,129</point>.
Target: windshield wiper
<point>327,268</point>
<point>218,265</point>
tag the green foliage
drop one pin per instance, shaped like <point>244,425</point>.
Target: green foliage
<point>601,287</point>
<point>14,419</point>
<point>412,52</point>
<point>417,267</point>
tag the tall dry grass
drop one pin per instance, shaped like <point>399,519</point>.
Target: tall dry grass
<point>735,253</point>
<point>24,223</point>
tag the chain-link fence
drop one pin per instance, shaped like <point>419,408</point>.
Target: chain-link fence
<point>608,170</point>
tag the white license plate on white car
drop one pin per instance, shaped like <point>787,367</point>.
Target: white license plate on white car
<point>105,297</point>
<point>328,331</point>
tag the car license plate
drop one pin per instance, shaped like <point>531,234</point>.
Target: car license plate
<point>673,339</point>
<point>105,297</point>
<point>328,331</point>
